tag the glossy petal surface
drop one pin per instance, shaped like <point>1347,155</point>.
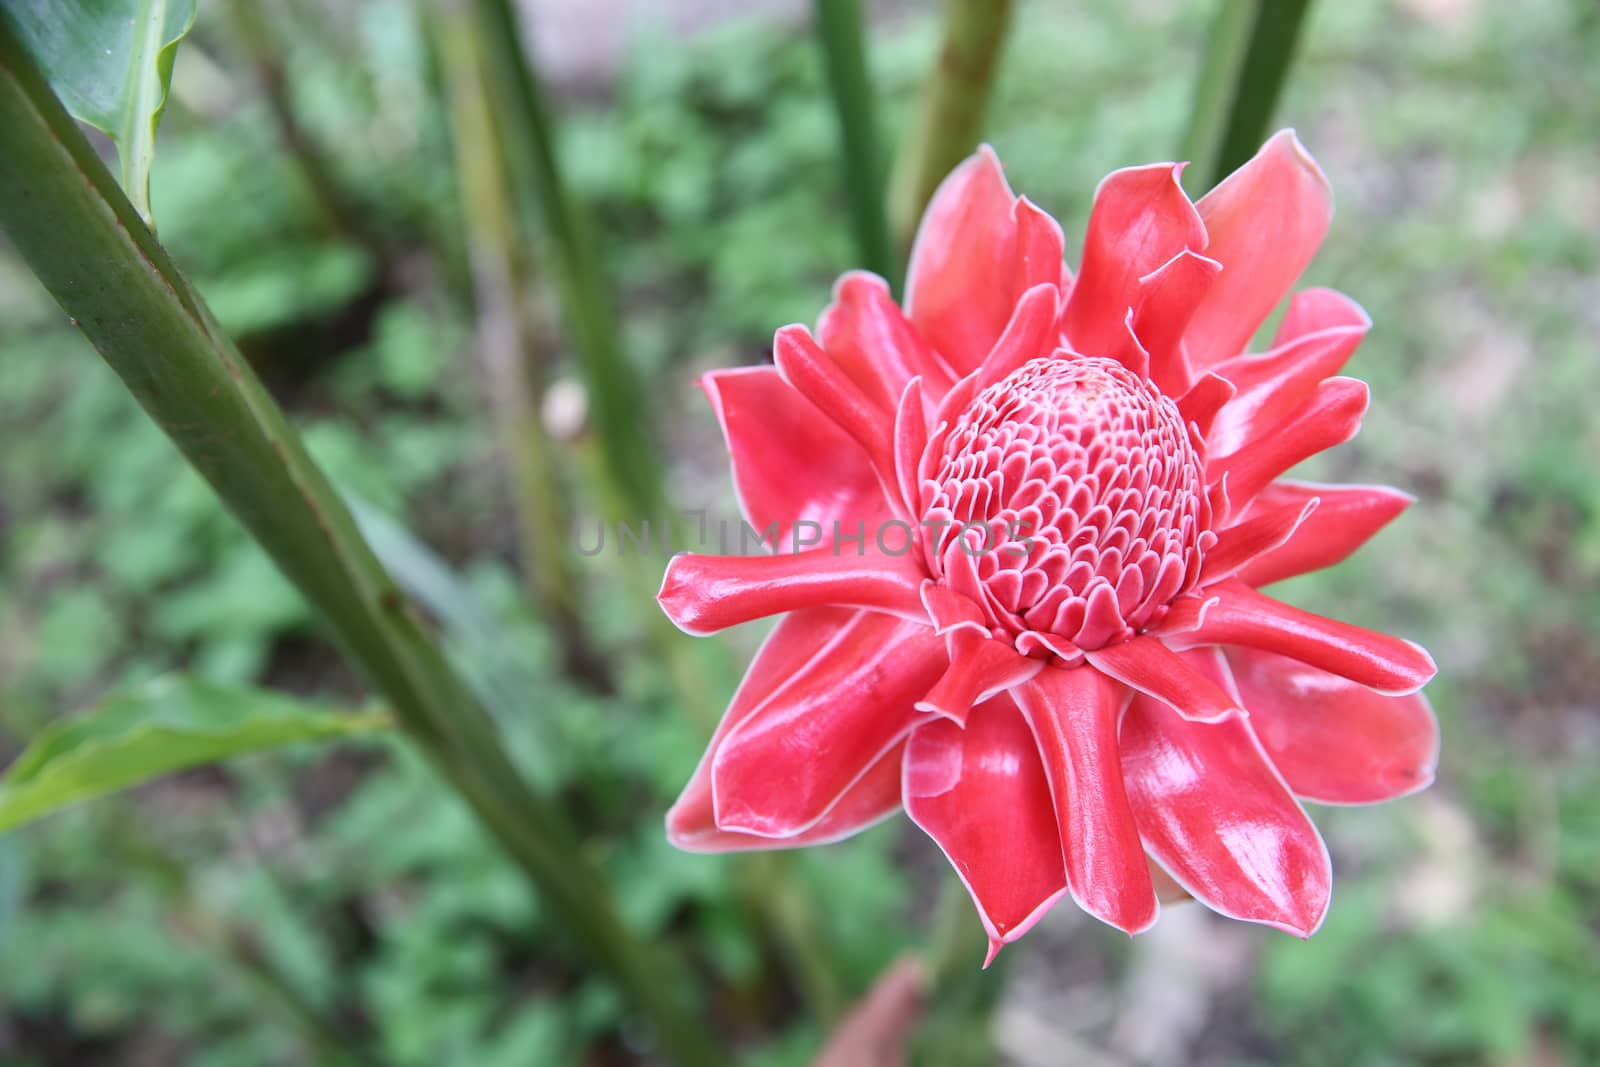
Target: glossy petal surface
<point>782,768</point>
<point>1217,817</point>
<point>1073,714</point>
<point>960,287</point>
<point>1332,740</point>
<point>766,424</point>
<point>1265,222</point>
<point>981,793</point>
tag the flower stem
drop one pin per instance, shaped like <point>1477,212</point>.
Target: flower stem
<point>1247,62</point>
<point>84,240</point>
<point>950,118</point>
<point>839,29</point>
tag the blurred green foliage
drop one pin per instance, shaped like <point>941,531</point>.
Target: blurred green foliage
<point>1459,138</point>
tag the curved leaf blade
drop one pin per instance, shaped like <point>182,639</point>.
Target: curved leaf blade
<point>165,725</point>
<point>110,62</point>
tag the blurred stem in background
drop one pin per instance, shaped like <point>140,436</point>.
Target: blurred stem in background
<point>1247,61</point>
<point>949,119</point>
<point>840,31</point>
<point>265,51</point>
<point>83,239</point>
<point>624,480</point>
<point>621,407</point>
<point>504,292</point>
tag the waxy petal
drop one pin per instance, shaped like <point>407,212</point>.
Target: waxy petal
<point>798,638</point>
<point>864,331</point>
<point>1265,222</point>
<point>981,794</point>
<point>704,594</point>
<point>1166,299</point>
<point>1141,219</point>
<point>804,365</point>
<point>1316,309</point>
<point>1332,740</point>
<point>966,243</point>
<point>766,425</point>
<point>1270,386</point>
<point>871,799</point>
<point>910,442</point>
<point>782,769</point>
<point>1238,615</point>
<point>1040,246</point>
<point>1073,715</point>
<point>980,667</point>
<point>1268,526</point>
<point>1330,417</point>
<point>1204,401</point>
<point>1345,517</point>
<point>1217,818</point>
<point>1149,666</point>
<point>951,611</point>
<point>1028,335</point>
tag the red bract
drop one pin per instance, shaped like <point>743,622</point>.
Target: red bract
<point>1045,506</point>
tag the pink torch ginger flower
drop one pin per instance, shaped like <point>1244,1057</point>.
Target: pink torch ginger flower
<point>1049,502</point>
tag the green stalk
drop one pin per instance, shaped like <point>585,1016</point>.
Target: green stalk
<point>503,283</point>
<point>949,121</point>
<point>839,28</point>
<point>264,50</point>
<point>84,240</point>
<point>617,397</point>
<point>1247,62</point>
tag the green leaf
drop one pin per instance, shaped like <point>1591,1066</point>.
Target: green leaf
<point>1247,62</point>
<point>110,62</point>
<point>164,725</point>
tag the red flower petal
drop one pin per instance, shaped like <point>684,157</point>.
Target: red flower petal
<point>1316,309</point>
<point>798,637</point>
<point>1265,222</point>
<point>1040,246</point>
<point>1270,386</point>
<point>1147,665</point>
<point>910,442</point>
<point>782,769</point>
<point>1332,740</point>
<point>981,794</point>
<point>1235,614</point>
<point>966,243</point>
<point>804,365</point>
<point>1346,516</point>
<point>1140,220</point>
<point>704,594</point>
<point>1268,526</point>
<point>767,425</point>
<point>1330,417</point>
<point>1167,299</point>
<point>980,667</point>
<point>1029,334</point>
<point>1073,715</point>
<point>874,797</point>
<point>1218,818</point>
<point>1202,403</point>
<point>864,331</point>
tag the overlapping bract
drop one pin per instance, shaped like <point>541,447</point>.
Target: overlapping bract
<point>1059,664</point>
